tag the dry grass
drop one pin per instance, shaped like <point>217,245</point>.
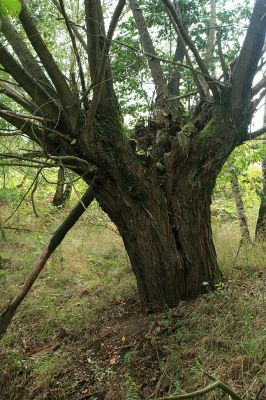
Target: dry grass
<point>79,334</point>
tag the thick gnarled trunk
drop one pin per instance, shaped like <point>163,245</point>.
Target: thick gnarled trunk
<point>169,242</point>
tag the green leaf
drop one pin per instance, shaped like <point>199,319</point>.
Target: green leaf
<point>160,167</point>
<point>14,6</point>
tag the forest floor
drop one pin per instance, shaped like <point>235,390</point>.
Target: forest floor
<point>80,334</point>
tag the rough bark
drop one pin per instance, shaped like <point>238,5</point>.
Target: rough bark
<point>169,244</point>
<point>240,209</point>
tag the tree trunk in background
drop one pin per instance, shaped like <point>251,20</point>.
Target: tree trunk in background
<point>240,209</point>
<point>260,233</point>
<point>62,193</point>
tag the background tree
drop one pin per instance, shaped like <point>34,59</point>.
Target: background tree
<point>157,192</point>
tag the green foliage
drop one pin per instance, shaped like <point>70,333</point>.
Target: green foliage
<point>12,6</point>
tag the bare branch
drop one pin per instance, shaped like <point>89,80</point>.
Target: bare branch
<point>248,59</point>
<point>211,36</point>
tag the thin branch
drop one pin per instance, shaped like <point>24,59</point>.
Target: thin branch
<point>23,197</point>
<point>165,60</point>
<point>257,101</point>
<point>76,32</point>
<point>8,313</point>
<point>221,57</point>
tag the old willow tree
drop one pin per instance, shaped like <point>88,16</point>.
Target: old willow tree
<point>155,186</point>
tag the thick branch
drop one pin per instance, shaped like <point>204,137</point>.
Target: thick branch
<point>194,73</point>
<point>25,56</point>
<point>103,63</point>
<point>17,97</point>
<point>147,45</point>
<point>8,313</point>
<point>193,48</point>
<point>36,92</point>
<point>248,59</point>
<point>95,34</point>
<point>259,86</point>
<point>58,79</point>
<point>211,36</point>
<point>255,134</point>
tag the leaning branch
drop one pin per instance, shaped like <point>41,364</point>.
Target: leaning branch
<point>8,313</point>
<point>255,134</point>
<point>216,385</point>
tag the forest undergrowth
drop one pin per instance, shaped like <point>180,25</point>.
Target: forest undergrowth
<point>80,334</point>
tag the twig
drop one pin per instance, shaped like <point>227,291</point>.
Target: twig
<point>23,197</point>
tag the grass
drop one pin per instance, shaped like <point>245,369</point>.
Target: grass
<point>80,335</point>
